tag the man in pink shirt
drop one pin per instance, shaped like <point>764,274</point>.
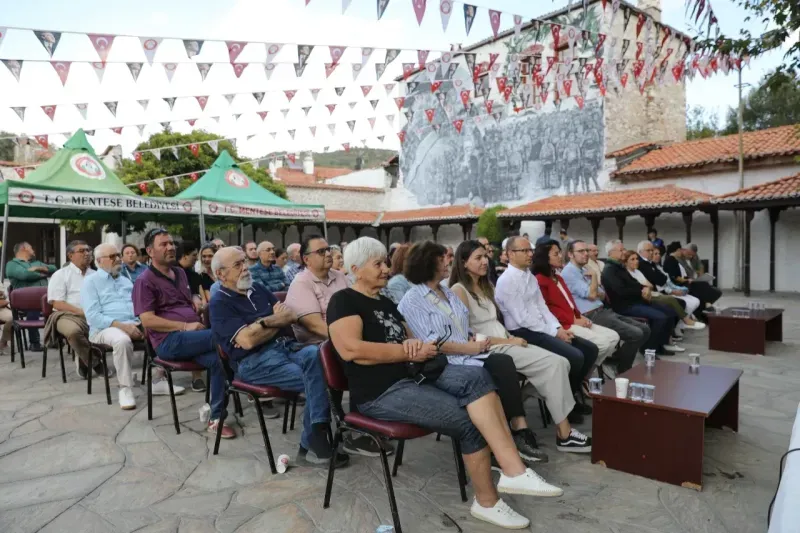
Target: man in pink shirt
<point>312,288</point>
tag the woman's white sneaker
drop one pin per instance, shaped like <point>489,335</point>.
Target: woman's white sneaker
<point>530,484</point>
<point>500,515</point>
<point>161,388</point>
<point>126,399</point>
<point>673,348</point>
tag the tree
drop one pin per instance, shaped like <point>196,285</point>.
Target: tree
<point>152,168</point>
<point>783,17</point>
<point>775,102</point>
<point>489,226</point>
<point>700,123</point>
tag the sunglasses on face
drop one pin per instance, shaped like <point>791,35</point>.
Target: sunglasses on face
<point>321,252</point>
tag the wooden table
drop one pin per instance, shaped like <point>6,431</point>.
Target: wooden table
<point>727,333</point>
<point>664,440</point>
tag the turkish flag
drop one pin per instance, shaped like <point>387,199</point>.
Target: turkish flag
<point>430,113</point>
<point>20,172</point>
<point>401,135</point>
<point>193,176</point>
<point>292,157</point>
<point>195,149</point>
<point>143,187</point>
<point>137,156</point>
<point>435,86</point>
<point>458,124</point>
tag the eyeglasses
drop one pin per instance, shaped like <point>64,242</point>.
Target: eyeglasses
<point>523,250</point>
<point>82,251</point>
<point>321,252</point>
<point>581,251</point>
<point>237,265</point>
<point>113,257</point>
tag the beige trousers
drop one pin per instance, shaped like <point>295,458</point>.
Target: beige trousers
<point>6,318</point>
<point>75,337</point>
<point>122,352</point>
<point>547,372</point>
<point>606,339</point>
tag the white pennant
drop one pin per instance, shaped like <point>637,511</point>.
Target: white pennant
<point>175,152</point>
<point>431,69</point>
<point>136,69</point>
<point>357,67</point>
<point>365,55</point>
<point>332,128</point>
<point>20,111</point>
<point>141,129</point>
<point>160,183</point>
<point>156,153</point>
<point>445,9</point>
<point>214,145</point>
<point>229,98</point>
<point>169,70</point>
<point>517,25</point>
<point>269,68</point>
<point>273,50</point>
<point>143,103</point>
<point>170,102</point>
<point>82,109</point>
<point>345,5</point>
<point>99,69</point>
<point>177,181</point>
<point>150,46</point>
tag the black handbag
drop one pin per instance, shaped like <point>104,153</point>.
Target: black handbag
<point>431,369</point>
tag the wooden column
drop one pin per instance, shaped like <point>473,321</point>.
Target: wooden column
<point>595,222</point>
<point>300,229</point>
<point>435,231</point>
<point>407,233</point>
<point>564,224</point>
<point>620,225</point>
<point>467,229</point>
<point>714,215</point>
<point>687,221</point>
<point>283,230</point>
<point>774,214</point>
<point>548,227</point>
<point>748,218</point>
<point>649,221</point>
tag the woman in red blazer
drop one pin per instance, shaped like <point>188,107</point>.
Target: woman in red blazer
<point>547,259</point>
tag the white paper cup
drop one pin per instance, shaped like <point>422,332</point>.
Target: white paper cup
<point>282,465</point>
<point>622,387</point>
<point>480,337</point>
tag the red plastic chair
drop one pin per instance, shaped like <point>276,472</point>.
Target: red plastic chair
<point>280,295</point>
<point>374,429</point>
<point>22,301</point>
<point>256,392</point>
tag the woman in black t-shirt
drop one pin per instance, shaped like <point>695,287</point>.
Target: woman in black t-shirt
<point>372,338</point>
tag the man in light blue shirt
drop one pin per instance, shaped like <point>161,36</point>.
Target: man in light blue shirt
<point>106,301</point>
<point>584,284</point>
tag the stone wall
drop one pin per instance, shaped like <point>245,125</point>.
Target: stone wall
<point>354,199</point>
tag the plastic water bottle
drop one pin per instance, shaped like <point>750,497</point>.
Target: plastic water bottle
<point>385,529</point>
<point>205,413</point>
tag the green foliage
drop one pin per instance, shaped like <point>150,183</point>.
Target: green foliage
<point>700,123</point>
<point>342,159</point>
<point>489,226</point>
<point>7,147</point>
<point>775,102</point>
<point>782,17</point>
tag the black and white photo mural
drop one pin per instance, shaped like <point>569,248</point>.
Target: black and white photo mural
<point>484,132</point>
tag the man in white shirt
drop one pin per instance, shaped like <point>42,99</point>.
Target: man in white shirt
<point>593,263</point>
<point>64,294</point>
<point>527,316</point>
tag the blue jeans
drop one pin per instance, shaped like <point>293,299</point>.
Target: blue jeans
<point>33,334</point>
<point>296,371</point>
<point>197,346</point>
<point>661,320</point>
<point>580,353</point>
<point>439,406</point>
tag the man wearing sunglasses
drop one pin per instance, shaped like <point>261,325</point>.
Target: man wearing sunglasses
<point>163,302</point>
<point>106,301</point>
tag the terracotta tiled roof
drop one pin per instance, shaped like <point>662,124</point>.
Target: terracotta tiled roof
<point>452,212</point>
<point>331,186</point>
<point>788,187</point>
<point>289,175</point>
<point>781,141</point>
<point>610,202</point>
<point>351,217</point>
<point>622,152</point>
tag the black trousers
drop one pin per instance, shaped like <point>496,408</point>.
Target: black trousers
<point>704,292</point>
<point>504,374</point>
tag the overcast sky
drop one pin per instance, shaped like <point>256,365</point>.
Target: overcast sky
<point>288,21</point>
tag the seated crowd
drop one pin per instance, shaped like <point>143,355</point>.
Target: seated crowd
<point>430,336</point>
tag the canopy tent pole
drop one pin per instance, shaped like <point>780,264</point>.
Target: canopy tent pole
<point>325,229</point>
<point>124,229</point>
<point>241,234</point>
<point>4,244</point>
<point>202,225</point>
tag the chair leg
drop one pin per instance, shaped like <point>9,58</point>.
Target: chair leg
<point>398,456</point>
<point>144,365</point>
<point>89,372</point>
<point>543,412</point>
<point>237,404</point>
<point>462,476</point>
<point>285,417</point>
<point>14,337</point>
<point>329,484</point>
<point>149,373</point>
<point>44,361</point>
<point>438,437</point>
<point>64,368</point>
<point>208,387</point>
<point>105,375</point>
<point>267,445</point>
<point>21,348</point>
<point>221,422</point>
<point>294,411</point>
<point>172,401</point>
<point>389,486</point>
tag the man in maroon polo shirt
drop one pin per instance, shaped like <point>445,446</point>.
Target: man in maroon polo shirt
<point>163,302</point>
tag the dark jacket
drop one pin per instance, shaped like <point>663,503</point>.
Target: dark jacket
<point>673,268</point>
<point>651,273</point>
<point>621,288</point>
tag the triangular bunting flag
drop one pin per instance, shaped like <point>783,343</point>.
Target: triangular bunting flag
<point>137,157</point>
<point>236,116</point>
<point>14,66</point>
<point>303,51</point>
<point>49,110</point>
<point>517,25</point>
<point>112,107</point>
<point>169,70</point>
<point>371,121</point>
<point>469,16</point>
<point>435,86</point>
<point>422,57</point>
<point>164,125</point>
<point>269,68</point>
<point>192,47</point>
<point>374,104</point>
<point>408,70</point>
<point>306,109</point>
<point>143,103</point>
<point>401,135</point>
<point>238,69</point>
<point>150,46</point>
<point>62,69</point>
<point>365,55</point>
<point>229,98</point>
<point>381,138</point>
<point>195,149</point>
<point>49,40</point>
<point>389,118</point>
<point>20,172</point>
<point>380,68</point>
<point>314,93</point>
<point>332,128</point>
<point>259,96</point>
<point>99,69</point>
<point>351,124</point>
<point>313,130</point>
<point>272,50</point>
<point>82,109</point>
<point>331,108</point>
<point>346,147</point>
<point>262,114</point>
<point>382,7</point>
<point>118,131</point>
<point>388,87</point>
<point>339,90</point>
<point>458,124</point>
<point>357,67</point>
<point>494,21</point>
<point>284,112</point>
<point>160,183</point>
<point>299,69</point>
<point>419,9</point>
<point>429,113</point>
<point>234,49</point>
<point>90,133</point>
<point>42,140</point>
<point>352,105</point>
<point>141,127</point>
<point>202,100</point>
<point>400,101</point>
<point>170,102</point>
<point>175,151</point>
<point>329,68</point>
<point>136,69</point>
<point>365,89</point>
<point>336,53</point>
<point>203,68</point>
<point>289,94</point>
<point>214,145</point>
<point>102,44</point>
<point>391,55</point>
<point>156,153</point>
<point>445,9</point>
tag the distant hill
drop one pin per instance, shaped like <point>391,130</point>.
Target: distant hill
<point>342,159</point>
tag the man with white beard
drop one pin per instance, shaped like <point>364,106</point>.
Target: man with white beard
<point>246,321</point>
<point>106,302</point>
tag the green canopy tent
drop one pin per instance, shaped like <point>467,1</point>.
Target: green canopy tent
<point>74,183</point>
<point>225,191</point>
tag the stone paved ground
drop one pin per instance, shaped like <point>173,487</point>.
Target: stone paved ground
<point>71,463</point>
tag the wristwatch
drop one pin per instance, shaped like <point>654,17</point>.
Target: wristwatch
<point>263,324</point>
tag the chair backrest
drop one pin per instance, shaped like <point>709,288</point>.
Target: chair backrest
<point>205,315</point>
<point>27,298</point>
<point>332,367</point>
<point>280,295</point>
<point>47,308</point>
<point>226,362</point>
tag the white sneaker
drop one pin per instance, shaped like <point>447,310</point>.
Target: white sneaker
<point>696,325</point>
<point>126,399</point>
<point>530,483</point>
<point>674,348</point>
<point>500,515</point>
<point>161,388</point>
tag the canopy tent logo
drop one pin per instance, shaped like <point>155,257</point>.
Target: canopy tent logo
<point>87,166</point>
<point>237,179</point>
<point>26,197</point>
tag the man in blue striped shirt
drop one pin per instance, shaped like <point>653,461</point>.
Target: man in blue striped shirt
<point>266,272</point>
<point>295,263</point>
